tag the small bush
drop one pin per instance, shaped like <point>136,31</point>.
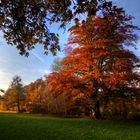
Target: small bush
<point>135,116</point>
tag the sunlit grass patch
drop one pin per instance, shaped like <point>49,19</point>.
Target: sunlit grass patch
<point>37,127</point>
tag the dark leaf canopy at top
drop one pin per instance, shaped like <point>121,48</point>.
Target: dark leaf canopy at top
<point>26,22</point>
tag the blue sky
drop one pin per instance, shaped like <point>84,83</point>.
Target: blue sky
<point>35,66</point>
<point>38,64</point>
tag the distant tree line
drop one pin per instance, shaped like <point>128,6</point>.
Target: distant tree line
<point>38,98</point>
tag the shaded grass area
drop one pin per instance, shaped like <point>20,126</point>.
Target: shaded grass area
<point>34,127</point>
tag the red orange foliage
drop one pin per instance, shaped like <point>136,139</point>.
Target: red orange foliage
<point>98,59</point>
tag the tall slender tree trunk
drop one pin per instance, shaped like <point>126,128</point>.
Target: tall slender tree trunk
<point>18,102</point>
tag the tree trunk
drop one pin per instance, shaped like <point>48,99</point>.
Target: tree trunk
<point>18,103</point>
<point>97,110</point>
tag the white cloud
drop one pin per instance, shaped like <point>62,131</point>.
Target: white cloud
<point>44,71</point>
<point>5,78</point>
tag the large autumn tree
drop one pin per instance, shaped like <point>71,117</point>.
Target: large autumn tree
<point>100,57</point>
<point>26,23</point>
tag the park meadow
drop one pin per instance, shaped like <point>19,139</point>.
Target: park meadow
<point>40,127</point>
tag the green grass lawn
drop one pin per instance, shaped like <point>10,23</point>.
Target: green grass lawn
<point>35,127</point>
